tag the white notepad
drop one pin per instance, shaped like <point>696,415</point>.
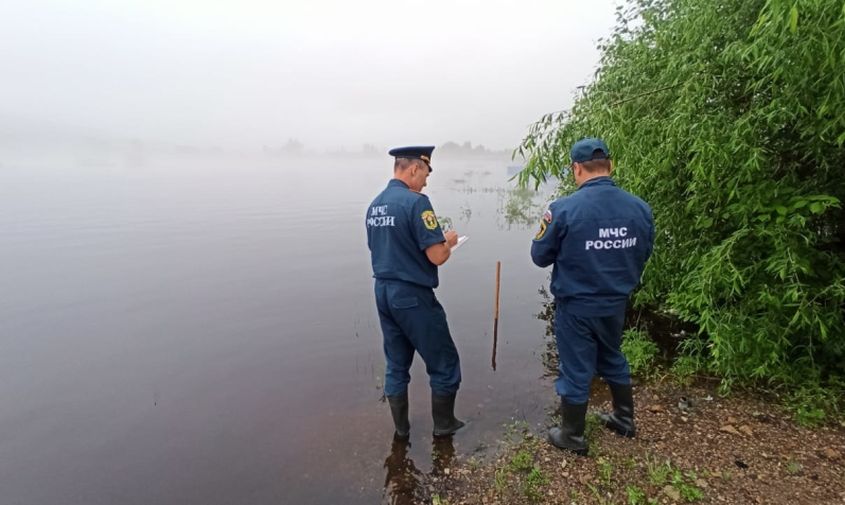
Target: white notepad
<point>461,240</point>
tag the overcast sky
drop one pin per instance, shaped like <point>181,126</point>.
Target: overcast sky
<point>245,73</point>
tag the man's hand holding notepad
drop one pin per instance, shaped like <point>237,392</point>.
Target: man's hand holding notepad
<point>461,240</point>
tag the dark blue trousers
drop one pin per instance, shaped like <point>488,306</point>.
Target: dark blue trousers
<point>413,320</point>
<point>588,346</point>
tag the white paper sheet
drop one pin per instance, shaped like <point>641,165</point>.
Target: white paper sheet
<point>461,240</point>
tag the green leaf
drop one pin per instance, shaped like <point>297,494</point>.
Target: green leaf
<point>793,19</point>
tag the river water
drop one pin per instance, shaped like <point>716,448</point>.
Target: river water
<point>205,333</point>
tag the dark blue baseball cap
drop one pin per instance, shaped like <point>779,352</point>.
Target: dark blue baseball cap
<point>589,148</point>
<point>414,153</point>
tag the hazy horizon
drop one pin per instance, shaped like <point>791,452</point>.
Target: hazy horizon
<point>330,74</point>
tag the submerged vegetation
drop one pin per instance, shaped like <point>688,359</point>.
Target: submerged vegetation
<point>728,117</point>
<point>520,207</point>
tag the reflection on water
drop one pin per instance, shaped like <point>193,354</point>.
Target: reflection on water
<point>442,452</point>
<point>404,483</point>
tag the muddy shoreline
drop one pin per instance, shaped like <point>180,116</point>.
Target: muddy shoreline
<point>708,449</point>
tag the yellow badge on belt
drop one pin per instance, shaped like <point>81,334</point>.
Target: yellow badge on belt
<point>542,231</point>
<point>429,219</point>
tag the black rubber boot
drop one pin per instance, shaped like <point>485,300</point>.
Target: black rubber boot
<point>399,411</point>
<point>570,435</point>
<point>443,413</point>
<point>622,419</point>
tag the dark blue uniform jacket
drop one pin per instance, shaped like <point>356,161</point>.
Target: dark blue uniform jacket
<point>598,239</point>
<point>401,225</point>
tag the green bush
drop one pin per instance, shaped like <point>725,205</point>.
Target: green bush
<point>692,360</point>
<point>813,404</point>
<point>728,117</point>
<point>641,352</point>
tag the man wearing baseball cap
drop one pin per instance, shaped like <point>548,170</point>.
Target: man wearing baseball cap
<point>598,239</point>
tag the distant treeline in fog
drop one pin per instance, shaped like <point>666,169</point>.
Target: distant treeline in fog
<point>294,147</point>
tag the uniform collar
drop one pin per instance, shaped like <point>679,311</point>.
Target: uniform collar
<point>396,183</point>
<point>598,181</point>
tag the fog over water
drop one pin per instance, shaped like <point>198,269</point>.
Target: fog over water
<point>330,73</point>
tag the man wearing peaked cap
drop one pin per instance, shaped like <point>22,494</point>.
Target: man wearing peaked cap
<point>407,245</point>
<point>414,153</point>
<point>598,239</point>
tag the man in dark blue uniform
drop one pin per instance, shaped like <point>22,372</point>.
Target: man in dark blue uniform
<point>598,239</point>
<point>407,245</point>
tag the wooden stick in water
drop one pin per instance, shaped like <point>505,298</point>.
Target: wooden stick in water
<point>496,313</point>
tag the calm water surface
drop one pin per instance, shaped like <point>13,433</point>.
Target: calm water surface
<point>190,333</point>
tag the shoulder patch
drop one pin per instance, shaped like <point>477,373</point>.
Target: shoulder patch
<point>542,232</point>
<point>429,219</point>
